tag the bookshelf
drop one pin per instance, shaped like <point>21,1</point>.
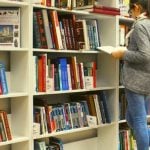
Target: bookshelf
<point>19,102</point>
<point>107,82</point>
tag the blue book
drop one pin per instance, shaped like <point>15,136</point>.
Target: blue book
<point>3,80</point>
<point>103,98</point>
<point>64,74</point>
<point>85,111</point>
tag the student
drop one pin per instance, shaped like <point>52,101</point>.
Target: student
<point>136,71</point>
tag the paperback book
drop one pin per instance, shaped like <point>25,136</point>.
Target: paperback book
<point>9,27</point>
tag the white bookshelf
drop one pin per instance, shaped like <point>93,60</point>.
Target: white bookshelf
<point>102,136</point>
<point>17,102</point>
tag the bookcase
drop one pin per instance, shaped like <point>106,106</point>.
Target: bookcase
<point>17,102</point>
<point>20,71</point>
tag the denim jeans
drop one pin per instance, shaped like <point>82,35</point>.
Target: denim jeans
<point>136,112</point>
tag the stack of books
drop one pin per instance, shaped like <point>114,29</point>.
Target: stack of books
<point>101,9</point>
<point>105,10</point>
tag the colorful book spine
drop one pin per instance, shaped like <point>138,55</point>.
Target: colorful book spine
<point>64,74</point>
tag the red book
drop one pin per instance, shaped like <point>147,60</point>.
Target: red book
<point>6,123</point>
<point>81,75</point>
<point>106,8</point>
<point>106,12</point>
<point>94,74</point>
<point>40,79</point>
<point>44,64</point>
<point>48,3</point>
<point>53,16</point>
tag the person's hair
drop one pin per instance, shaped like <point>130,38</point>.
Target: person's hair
<point>144,3</point>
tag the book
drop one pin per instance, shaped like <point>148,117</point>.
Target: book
<point>99,6</point>
<point>106,12</point>
<point>104,99</point>
<point>6,125</point>
<point>63,72</point>
<point>110,49</point>
<point>3,80</point>
<point>41,31</point>
<point>53,18</point>
<point>82,35</point>
<point>9,27</point>
<point>47,29</point>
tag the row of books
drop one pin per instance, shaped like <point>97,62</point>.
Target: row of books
<point>5,130</point>
<point>64,31</point>
<point>70,115</point>
<point>64,4</point>
<point>3,80</point>
<point>62,73</point>
<point>52,144</point>
<point>127,140</point>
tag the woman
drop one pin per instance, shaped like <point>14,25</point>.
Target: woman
<point>136,72</point>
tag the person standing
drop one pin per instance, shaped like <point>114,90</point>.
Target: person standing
<point>136,72</point>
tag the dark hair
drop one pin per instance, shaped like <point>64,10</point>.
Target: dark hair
<point>144,3</point>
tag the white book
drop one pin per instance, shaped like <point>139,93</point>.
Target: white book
<point>69,77</point>
<point>9,27</point>
<point>110,49</point>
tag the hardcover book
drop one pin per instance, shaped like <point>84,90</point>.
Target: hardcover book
<point>9,27</point>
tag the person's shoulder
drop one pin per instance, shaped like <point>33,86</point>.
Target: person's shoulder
<point>143,23</point>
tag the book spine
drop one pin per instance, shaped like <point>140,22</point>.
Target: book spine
<point>41,29</point>
<point>106,8</point>
<point>3,80</point>
<point>46,28</point>
<point>8,130</point>
<point>107,12</point>
<point>55,22</point>
<point>2,128</point>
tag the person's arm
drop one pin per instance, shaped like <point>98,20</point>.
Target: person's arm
<point>143,45</point>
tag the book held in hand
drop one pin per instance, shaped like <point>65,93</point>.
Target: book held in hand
<point>110,49</point>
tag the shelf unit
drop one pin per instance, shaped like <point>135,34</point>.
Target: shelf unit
<point>106,134</point>
<point>19,100</point>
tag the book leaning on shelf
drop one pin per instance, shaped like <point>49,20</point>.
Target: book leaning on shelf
<point>5,130</point>
<point>9,27</point>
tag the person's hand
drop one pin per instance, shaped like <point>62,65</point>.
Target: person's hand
<point>118,54</point>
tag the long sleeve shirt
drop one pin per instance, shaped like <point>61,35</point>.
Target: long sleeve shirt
<point>136,70</point>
